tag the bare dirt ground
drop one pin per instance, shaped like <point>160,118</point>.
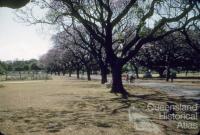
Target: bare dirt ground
<point>65,106</point>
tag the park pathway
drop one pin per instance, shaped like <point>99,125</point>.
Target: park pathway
<point>184,90</point>
<point>174,89</point>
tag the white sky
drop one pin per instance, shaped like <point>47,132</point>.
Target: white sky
<point>18,41</point>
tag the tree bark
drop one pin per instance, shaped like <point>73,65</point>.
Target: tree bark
<point>104,70</point>
<point>20,75</point>
<point>70,73</point>
<point>161,73</point>
<point>186,73</point>
<point>168,67</point>
<point>117,86</point>
<point>58,72</point>
<point>63,72</point>
<point>136,70</point>
<point>77,73</point>
<point>103,77</point>
<point>115,63</point>
<point>168,73</point>
<point>88,73</point>
<point>6,76</point>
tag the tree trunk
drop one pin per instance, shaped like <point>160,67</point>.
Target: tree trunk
<point>168,73</point>
<point>103,77</point>
<point>88,73</point>
<point>63,73</point>
<point>161,73</point>
<point>6,76</point>
<point>32,75</point>
<point>20,76</point>
<point>103,69</point>
<point>136,70</point>
<point>70,73</point>
<point>58,72</point>
<point>116,64</point>
<point>117,86</point>
<point>77,73</point>
<point>186,73</point>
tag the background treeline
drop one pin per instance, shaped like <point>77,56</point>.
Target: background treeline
<point>22,70</point>
<point>19,66</point>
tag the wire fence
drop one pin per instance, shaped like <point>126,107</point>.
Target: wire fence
<point>11,76</point>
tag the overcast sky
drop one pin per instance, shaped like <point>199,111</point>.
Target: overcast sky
<point>18,41</point>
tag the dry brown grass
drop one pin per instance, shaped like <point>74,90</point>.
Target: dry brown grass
<point>72,107</point>
<point>1,86</point>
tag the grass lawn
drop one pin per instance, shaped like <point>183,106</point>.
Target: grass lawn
<point>66,106</point>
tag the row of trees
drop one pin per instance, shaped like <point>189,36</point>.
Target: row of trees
<point>172,52</point>
<point>111,33</point>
